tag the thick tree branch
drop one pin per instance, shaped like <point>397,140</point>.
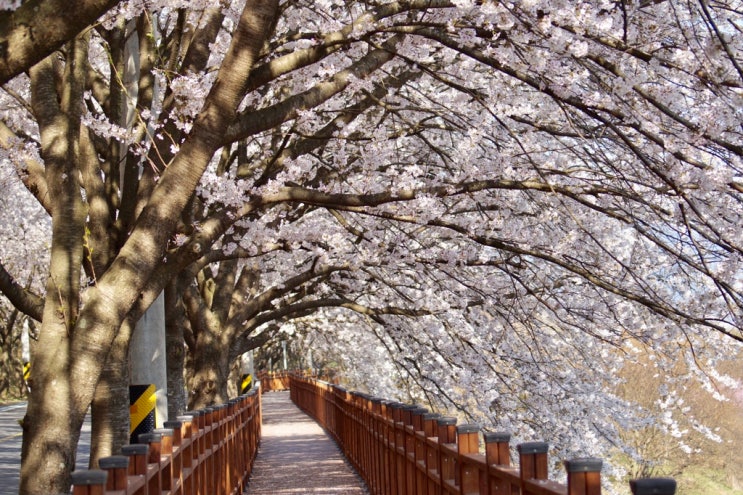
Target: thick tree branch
<point>39,27</point>
<point>254,121</point>
<point>21,298</point>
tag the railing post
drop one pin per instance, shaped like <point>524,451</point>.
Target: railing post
<point>197,451</point>
<point>176,458</point>
<point>653,486</point>
<point>218,450</point>
<point>431,453</point>
<point>153,440</point>
<point>188,441</point>
<point>467,443</point>
<point>91,482</point>
<point>138,454</point>
<point>210,461</point>
<point>388,439</point>
<point>497,453</point>
<point>377,422</point>
<point>446,464</point>
<point>117,467</point>
<point>497,448</point>
<point>167,471</point>
<point>398,432</point>
<point>408,430</point>
<point>533,460</point>
<point>584,476</point>
<point>419,456</point>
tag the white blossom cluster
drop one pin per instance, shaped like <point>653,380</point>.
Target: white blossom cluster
<point>500,207</point>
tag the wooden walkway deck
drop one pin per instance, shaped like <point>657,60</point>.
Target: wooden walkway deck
<point>296,456</point>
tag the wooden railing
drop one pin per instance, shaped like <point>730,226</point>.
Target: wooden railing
<point>204,452</point>
<point>401,449</point>
<point>273,381</point>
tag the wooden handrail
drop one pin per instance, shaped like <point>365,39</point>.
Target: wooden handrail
<point>401,449</point>
<point>274,381</point>
<point>205,452</point>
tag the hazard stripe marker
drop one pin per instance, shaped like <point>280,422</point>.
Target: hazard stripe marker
<point>246,383</point>
<point>142,401</point>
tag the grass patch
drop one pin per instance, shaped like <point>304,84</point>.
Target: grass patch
<point>701,481</point>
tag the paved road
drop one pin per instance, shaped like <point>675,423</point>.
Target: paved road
<point>10,447</point>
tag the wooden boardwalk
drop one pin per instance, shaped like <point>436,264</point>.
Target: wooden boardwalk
<point>296,456</point>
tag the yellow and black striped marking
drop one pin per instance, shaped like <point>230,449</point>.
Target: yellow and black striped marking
<point>26,371</point>
<point>142,401</point>
<point>246,383</point>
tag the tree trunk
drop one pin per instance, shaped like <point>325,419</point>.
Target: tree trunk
<point>174,322</point>
<point>51,427</point>
<point>211,370</point>
<point>75,340</point>
<point>110,407</point>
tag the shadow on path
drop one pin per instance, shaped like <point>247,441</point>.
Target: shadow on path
<point>297,456</point>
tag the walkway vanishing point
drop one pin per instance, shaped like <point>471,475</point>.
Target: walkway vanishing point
<point>296,456</point>
<point>397,449</point>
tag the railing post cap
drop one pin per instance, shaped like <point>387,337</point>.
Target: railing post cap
<point>175,425</point>
<point>653,486</point>
<point>135,449</point>
<point>430,416</point>
<point>89,477</point>
<point>467,428</point>
<point>150,437</point>
<point>533,447</point>
<point>584,465</point>
<point>195,413</point>
<point>446,421</point>
<point>496,436</point>
<point>114,462</point>
<point>185,418</point>
<point>164,432</point>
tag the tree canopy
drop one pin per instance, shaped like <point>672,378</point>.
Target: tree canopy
<point>508,198</point>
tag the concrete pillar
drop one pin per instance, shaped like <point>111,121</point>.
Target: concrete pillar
<point>147,348</point>
<point>283,350</point>
<point>147,356</point>
<point>246,363</point>
<point>25,342</point>
<point>247,373</point>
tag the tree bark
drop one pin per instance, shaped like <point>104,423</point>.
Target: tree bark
<point>39,27</point>
<point>51,427</point>
<point>211,370</point>
<point>175,321</point>
<point>110,406</point>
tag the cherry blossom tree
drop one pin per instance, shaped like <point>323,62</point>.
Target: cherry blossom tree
<point>506,193</point>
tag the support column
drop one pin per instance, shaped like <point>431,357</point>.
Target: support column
<point>147,356</point>
<point>247,373</point>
